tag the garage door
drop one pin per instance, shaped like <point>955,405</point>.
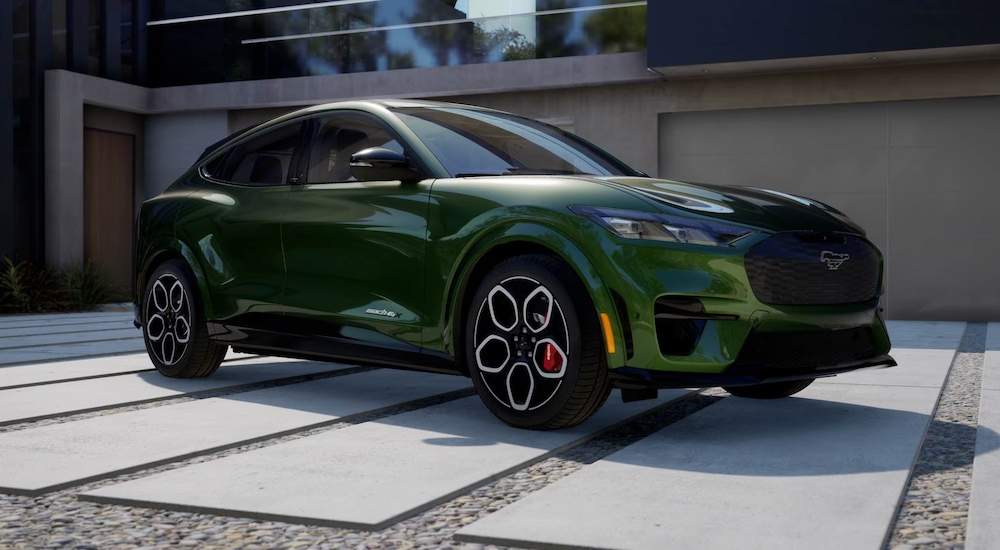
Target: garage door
<point>923,177</point>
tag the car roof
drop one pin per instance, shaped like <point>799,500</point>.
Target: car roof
<point>324,107</point>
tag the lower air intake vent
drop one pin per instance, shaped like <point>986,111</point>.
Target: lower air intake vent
<point>792,350</point>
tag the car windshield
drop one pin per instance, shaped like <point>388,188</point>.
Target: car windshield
<point>472,142</point>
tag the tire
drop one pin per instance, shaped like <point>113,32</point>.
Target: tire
<point>174,324</point>
<point>773,390</point>
<point>544,372</point>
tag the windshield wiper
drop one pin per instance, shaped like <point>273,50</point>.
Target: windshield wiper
<point>522,171</point>
<point>526,171</point>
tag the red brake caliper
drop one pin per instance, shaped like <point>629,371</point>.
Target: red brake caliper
<point>552,362</point>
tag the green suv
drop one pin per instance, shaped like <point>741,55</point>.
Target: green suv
<point>468,241</point>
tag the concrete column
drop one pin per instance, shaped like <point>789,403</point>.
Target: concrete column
<point>64,170</point>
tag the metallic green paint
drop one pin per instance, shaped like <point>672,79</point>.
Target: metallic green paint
<point>355,247</point>
<point>337,252</point>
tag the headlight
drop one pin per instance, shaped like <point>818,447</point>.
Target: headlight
<point>628,224</point>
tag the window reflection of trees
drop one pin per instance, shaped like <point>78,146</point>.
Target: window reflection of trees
<point>210,51</point>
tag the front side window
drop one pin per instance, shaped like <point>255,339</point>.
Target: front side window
<point>337,137</point>
<point>262,160</point>
<point>473,142</point>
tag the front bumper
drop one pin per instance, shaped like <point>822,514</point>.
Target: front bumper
<point>702,300</point>
<point>628,378</point>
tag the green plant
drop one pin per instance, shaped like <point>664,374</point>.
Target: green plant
<point>27,289</point>
<point>86,286</point>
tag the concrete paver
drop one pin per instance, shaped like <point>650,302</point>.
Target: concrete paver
<point>370,475</point>
<point>17,342</point>
<point>925,334</point>
<point>766,471</point>
<point>984,510</point>
<point>63,371</point>
<point>22,404</point>
<point>822,470</point>
<point>63,352</point>
<point>916,367</point>
<point>92,327</point>
<point>8,321</point>
<point>35,461</point>
<point>22,375</point>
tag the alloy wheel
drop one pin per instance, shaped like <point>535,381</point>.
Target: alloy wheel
<point>521,343</point>
<point>168,313</point>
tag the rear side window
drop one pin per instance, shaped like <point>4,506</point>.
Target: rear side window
<point>261,160</point>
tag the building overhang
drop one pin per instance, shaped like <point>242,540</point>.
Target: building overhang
<point>830,62</point>
<point>730,37</point>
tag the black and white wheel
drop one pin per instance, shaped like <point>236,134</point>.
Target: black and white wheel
<point>771,390</point>
<point>174,327</point>
<point>534,347</point>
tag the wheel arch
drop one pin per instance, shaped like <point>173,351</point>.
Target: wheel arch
<point>516,240</point>
<point>175,250</point>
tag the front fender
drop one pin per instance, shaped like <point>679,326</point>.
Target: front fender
<point>530,235</point>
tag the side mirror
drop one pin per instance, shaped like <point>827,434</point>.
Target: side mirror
<point>380,164</point>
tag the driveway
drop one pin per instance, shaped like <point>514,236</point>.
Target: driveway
<point>97,450</point>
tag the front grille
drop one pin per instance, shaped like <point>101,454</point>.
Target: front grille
<point>794,350</point>
<point>803,269</point>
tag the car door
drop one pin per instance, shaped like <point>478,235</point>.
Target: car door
<point>354,250</point>
<point>236,233</point>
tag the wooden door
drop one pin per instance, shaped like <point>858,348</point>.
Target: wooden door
<point>108,202</point>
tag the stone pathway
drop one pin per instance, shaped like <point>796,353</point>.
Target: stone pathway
<point>845,445</point>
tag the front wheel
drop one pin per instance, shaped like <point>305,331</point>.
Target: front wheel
<point>174,326</point>
<point>534,346</point>
<point>771,390</point>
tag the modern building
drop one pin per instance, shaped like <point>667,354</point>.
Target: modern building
<point>886,109</point>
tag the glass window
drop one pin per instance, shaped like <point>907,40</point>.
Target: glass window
<point>293,39</point>
<point>261,160</point>
<point>337,138</point>
<point>471,142</point>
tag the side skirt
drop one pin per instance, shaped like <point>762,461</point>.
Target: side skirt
<point>330,349</point>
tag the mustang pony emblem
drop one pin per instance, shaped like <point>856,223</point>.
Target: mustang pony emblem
<point>833,260</point>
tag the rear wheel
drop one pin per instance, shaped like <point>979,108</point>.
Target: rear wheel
<point>174,326</point>
<point>534,346</point>
<point>772,390</point>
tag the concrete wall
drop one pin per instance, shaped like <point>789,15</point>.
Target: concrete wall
<point>66,94</point>
<point>623,118</point>
<point>175,141</point>
<point>920,176</point>
<point>124,122</point>
<point>240,119</point>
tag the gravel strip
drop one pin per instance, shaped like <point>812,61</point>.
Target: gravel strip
<point>59,520</point>
<point>934,512</point>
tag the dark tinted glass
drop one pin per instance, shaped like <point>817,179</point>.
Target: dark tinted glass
<point>263,159</point>
<point>340,136</point>
<point>470,142</point>
<point>379,35</point>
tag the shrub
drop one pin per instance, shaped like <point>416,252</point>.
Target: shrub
<point>87,286</point>
<point>27,289</point>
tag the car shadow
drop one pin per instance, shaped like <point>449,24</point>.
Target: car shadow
<point>797,436</point>
<point>809,437</point>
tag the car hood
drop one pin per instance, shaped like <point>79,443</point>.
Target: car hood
<point>762,208</point>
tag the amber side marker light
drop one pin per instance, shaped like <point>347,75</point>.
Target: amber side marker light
<point>609,336</point>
